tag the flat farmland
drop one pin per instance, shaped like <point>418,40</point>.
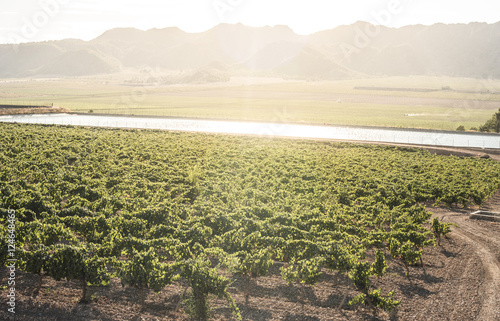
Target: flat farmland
<point>413,102</point>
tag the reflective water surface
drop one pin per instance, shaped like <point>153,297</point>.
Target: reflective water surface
<point>405,136</point>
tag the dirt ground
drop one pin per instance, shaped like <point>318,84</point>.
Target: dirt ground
<point>38,110</point>
<point>460,280</point>
<point>484,236</point>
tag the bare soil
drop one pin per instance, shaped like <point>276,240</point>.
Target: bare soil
<point>34,110</point>
<point>484,236</point>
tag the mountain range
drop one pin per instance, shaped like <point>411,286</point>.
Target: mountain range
<point>361,49</point>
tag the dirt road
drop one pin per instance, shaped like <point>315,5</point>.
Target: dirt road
<point>484,237</point>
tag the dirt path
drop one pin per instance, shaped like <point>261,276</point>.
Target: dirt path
<point>484,236</point>
<point>457,295</point>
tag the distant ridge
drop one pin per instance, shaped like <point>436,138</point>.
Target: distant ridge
<point>464,50</point>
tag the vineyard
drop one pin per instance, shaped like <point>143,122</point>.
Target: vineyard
<point>155,208</point>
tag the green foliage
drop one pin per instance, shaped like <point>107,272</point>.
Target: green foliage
<point>440,229</point>
<point>75,263</point>
<point>203,281</point>
<point>375,300</point>
<point>306,271</point>
<point>379,266</point>
<point>194,175</point>
<point>4,244</point>
<point>156,202</point>
<point>492,124</point>
<point>4,254</point>
<point>253,264</point>
<point>34,260</point>
<point>360,276</point>
<point>145,271</point>
<point>39,232</point>
<point>408,253</point>
<point>250,264</point>
<point>339,256</point>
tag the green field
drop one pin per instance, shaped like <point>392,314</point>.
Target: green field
<point>154,208</point>
<point>329,102</point>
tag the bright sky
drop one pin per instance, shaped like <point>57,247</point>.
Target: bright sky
<point>38,20</point>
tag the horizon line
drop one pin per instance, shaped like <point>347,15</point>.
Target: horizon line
<point>257,27</point>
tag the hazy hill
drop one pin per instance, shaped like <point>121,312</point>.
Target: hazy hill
<point>470,50</point>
